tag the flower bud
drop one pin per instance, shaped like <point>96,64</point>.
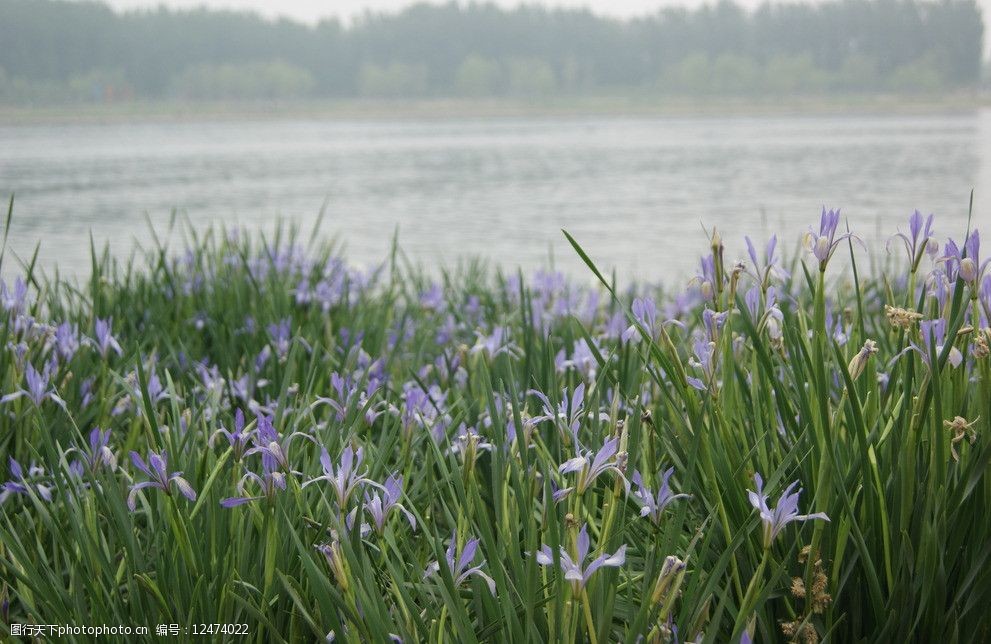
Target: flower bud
<point>968,270</point>
<point>668,580</point>
<point>338,566</point>
<point>859,362</point>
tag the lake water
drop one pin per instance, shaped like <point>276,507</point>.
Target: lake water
<point>635,191</point>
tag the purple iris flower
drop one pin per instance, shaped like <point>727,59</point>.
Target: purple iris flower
<point>86,392</point>
<point>281,334</point>
<point>238,439</point>
<point>460,564</point>
<point>262,358</point>
<point>346,477</point>
<point>469,443</point>
<point>966,263</point>
<point>589,467</point>
<point>269,483</point>
<point>348,394</point>
<point>645,321</point>
<point>273,447</point>
<point>704,360</point>
<point>493,344</point>
<point>66,340</point>
<point>933,334</point>
<point>767,317</point>
<point>425,409</point>
<point>645,314</point>
<point>302,292</point>
<point>985,298</point>
<point>570,410</point>
<point>713,322</point>
<point>14,301</point>
<point>19,484</point>
<point>105,341</point>
<point>920,239</point>
<point>824,243</point>
<point>706,278</point>
<point>99,453</point>
<point>651,504</point>
<point>210,377</point>
<point>575,569</point>
<point>582,359</point>
<point>381,505</point>
<point>775,519</point>
<point>37,388</point>
<point>768,266</point>
<point>432,298</point>
<point>160,477</point>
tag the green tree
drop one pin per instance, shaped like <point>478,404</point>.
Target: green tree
<point>530,77</point>
<point>393,80</point>
<point>478,76</point>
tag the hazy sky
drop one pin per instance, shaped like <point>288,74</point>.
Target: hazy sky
<point>313,10</point>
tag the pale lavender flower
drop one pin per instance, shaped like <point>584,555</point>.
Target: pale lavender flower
<point>156,392</point>
<point>575,569</point>
<point>645,321</point>
<point>786,512</point>
<point>426,409</point>
<point>933,334</point>
<point>238,439</point>
<point>836,325</point>
<point>493,344</point>
<point>157,471</point>
<point>920,239</point>
<point>651,504</point>
<point>86,392</point>
<point>105,341</point>
<point>713,322</point>
<point>432,298</point>
<point>706,278</point>
<point>66,340</point>
<point>37,388</point>
<point>966,263</point>
<point>262,358</point>
<point>569,411</point>
<point>213,382</point>
<point>346,477</point>
<point>705,361</point>
<point>824,243</point>
<point>269,483</point>
<point>14,301</point>
<point>469,443</point>
<point>347,390</point>
<point>273,447</point>
<point>381,505</point>
<point>767,317</point>
<point>985,299</point>
<point>19,484</point>
<point>280,335</point>
<point>764,268</point>
<point>582,359</point>
<point>99,453</point>
<point>302,292</point>
<point>460,564</point>
<point>590,467</point>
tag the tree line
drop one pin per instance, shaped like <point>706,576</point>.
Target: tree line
<point>55,49</point>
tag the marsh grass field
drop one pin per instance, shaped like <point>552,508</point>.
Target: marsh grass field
<point>247,430</point>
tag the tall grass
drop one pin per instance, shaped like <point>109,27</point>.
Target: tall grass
<point>440,378</point>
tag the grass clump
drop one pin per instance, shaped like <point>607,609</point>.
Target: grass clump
<point>254,432</point>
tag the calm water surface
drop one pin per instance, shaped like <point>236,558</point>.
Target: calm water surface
<point>635,191</point>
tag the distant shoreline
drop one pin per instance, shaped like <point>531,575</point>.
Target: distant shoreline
<point>459,108</point>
